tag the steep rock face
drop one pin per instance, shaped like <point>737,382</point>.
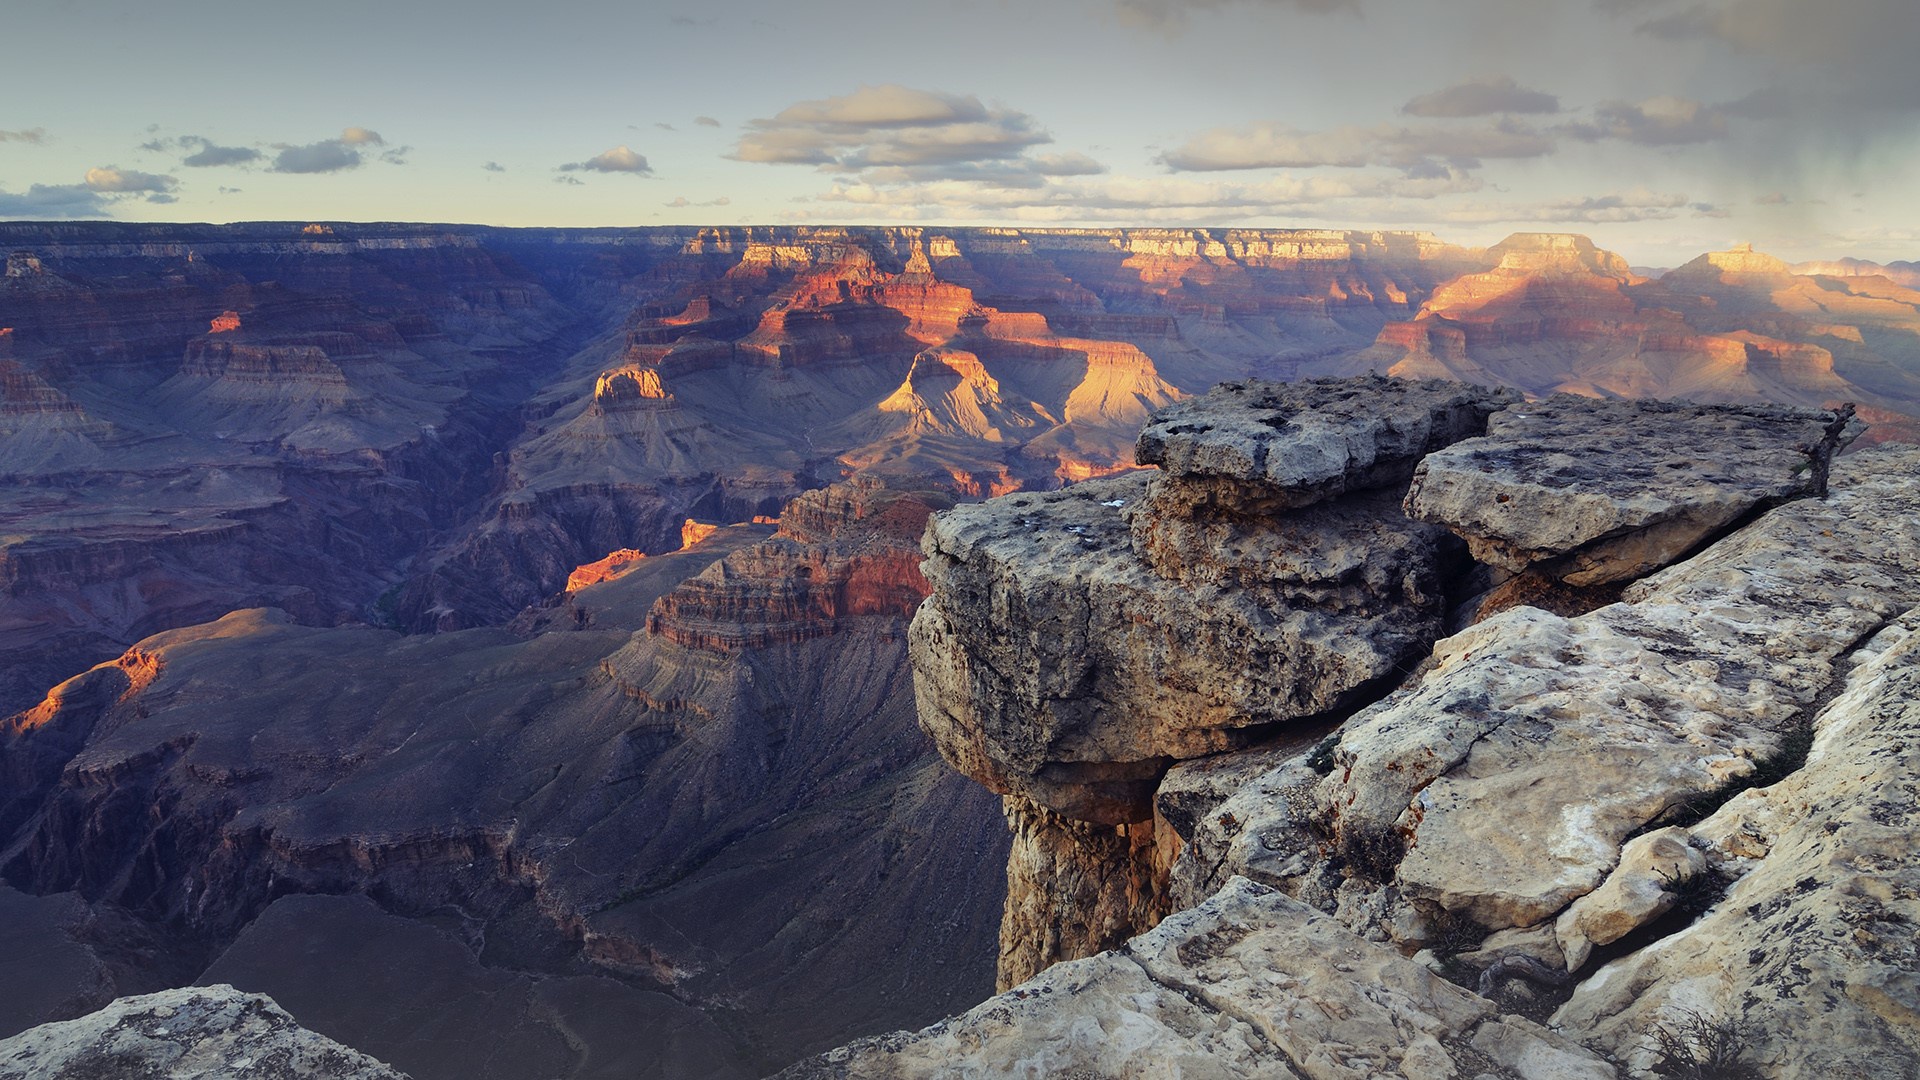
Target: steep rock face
<point>1529,810</point>
<point>1078,643</point>
<point>1593,492</point>
<point>583,798</point>
<point>215,1032</point>
<point>842,553</point>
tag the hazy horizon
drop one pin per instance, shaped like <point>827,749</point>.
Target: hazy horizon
<point>1660,128</point>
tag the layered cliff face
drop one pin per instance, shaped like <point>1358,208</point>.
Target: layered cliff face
<point>1556,314</point>
<point>1080,642</point>
<point>1645,823</point>
<point>547,822</point>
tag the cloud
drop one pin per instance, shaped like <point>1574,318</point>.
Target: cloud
<point>573,180</point>
<point>1849,53</point>
<point>706,121</point>
<point>1173,14</point>
<point>494,166</point>
<point>683,202</point>
<point>325,156</point>
<point>348,151</point>
<point>889,126</point>
<point>1268,145</point>
<point>43,201</point>
<point>1661,121</point>
<point>1773,198</point>
<point>110,179</point>
<point>1482,96</point>
<point>33,136</point>
<point>209,153</point>
<point>617,160</point>
<point>665,126</point>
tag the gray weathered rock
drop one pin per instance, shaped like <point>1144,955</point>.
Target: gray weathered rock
<point>200,1032</point>
<point>1249,983</point>
<point>1513,773</point>
<point>1811,958</point>
<point>1594,491</point>
<point>1052,662</point>
<point>1294,444</point>
<point>1640,890</point>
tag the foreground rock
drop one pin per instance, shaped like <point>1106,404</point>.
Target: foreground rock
<point>1248,984</point>
<point>1459,790</point>
<point>1600,491</point>
<point>1810,960</point>
<point>1080,642</point>
<point>204,1033</point>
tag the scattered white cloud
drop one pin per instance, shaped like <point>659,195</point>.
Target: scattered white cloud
<point>1484,96</point>
<point>617,160</point>
<point>110,179</point>
<point>348,151</point>
<point>889,126</point>
<point>706,121</point>
<point>564,179</point>
<point>34,136</point>
<point>52,201</point>
<point>683,202</point>
<point>494,166</point>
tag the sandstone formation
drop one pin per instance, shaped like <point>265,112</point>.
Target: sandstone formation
<point>1593,492</point>
<point>431,428</point>
<point>1550,812</point>
<point>216,1033</point>
<point>548,822</point>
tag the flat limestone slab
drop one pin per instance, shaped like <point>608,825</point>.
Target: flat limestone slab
<point>1598,491</point>
<point>1311,440</point>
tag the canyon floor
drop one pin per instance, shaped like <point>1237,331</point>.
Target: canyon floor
<point>494,646</point>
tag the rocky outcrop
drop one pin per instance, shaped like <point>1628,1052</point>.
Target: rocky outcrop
<point>1247,984</point>
<point>1593,492</point>
<point>1543,814</point>
<point>216,1033</point>
<point>1080,642</point>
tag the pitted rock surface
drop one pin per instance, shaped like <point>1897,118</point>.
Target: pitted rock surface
<point>1053,662</point>
<point>1811,957</point>
<point>1596,491</point>
<point>1249,983</point>
<point>1299,443</point>
<point>200,1032</point>
<point>1515,771</point>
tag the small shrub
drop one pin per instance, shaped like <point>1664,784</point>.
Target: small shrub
<point>1376,853</point>
<point>1695,892</point>
<point>1694,1046</point>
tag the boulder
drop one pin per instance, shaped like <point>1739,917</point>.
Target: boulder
<point>1601,490</point>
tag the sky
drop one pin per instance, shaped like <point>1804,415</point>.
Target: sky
<point>1661,128</point>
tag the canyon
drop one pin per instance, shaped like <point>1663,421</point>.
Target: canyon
<point>521,624</point>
